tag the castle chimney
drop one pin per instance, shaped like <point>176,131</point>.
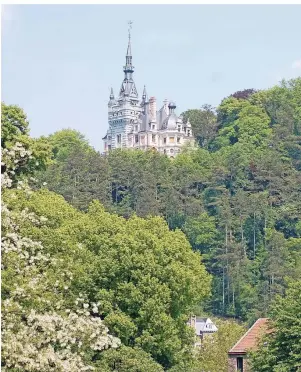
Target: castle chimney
<point>153,108</point>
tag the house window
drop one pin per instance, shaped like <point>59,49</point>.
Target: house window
<point>118,138</point>
<point>240,364</point>
<point>164,140</point>
<point>178,140</point>
<point>154,138</point>
<point>171,139</point>
<point>136,138</point>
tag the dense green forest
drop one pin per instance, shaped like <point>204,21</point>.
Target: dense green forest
<point>126,246</point>
<point>236,196</point>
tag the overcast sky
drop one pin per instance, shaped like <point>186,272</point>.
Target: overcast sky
<point>60,61</point>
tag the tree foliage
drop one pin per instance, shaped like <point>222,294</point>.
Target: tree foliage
<point>236,197</point>
<point>280,349</point>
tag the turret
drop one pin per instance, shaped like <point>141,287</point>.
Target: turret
<point>112,99</point>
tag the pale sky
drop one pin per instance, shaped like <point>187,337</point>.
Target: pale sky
<point>60,61</point>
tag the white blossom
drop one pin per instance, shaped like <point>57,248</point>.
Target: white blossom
<point>35,340</point>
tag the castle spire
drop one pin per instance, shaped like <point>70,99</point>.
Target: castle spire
<point>112,99</point>
<point>112,94</point>
<point>144,95</point>
<point>128,88</point>
<point>129,49</point>
<point>129,68</point>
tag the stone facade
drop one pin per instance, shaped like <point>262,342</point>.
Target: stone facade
<point>137,124</point>
<point>238,363</point>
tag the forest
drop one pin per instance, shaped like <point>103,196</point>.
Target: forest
<point>104,258</point>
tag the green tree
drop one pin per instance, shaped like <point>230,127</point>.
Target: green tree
<point>64,141</point>
<point>203,123</point>
<point>280,350</point>
<point>32,154</point>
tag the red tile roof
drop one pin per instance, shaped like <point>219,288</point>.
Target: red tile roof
<point>250,338</point>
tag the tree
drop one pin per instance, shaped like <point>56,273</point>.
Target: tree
<point>41,328</point>
<point>203,123</point>
<point>64,141</point>
<point>243,94</point>
<point>14,124</point>
<point>280,349</point>
<point>128,359</point>
<point>201,232</point>
<point>33,154</point>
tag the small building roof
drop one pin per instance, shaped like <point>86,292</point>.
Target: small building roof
<point>250,338</point>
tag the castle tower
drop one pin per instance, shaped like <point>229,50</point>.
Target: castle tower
<point>124,111</point>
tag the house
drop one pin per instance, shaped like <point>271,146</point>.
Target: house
<point>237,356</point>
<point>202,326</point>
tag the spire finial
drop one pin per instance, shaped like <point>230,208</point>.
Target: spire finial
<point>129,51</point>
<point>129,29</point>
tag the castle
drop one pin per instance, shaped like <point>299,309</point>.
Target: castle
<point>138,125</point>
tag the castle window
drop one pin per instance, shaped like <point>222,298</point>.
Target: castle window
<point>154,127</point>
<point>136,138</point>
<point>109,138</point>
<point>164,140</point>
<point>171,139</point>
<point>154,138</point>
<point>179,128</point>
<point>118,138</point>
<point>164,151</point>
<point>188,133</point>
<point>136,128</point>
<point>178,140</point>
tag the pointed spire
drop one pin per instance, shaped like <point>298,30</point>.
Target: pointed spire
<point>128,68</point>
<point>112,94</point>
<point>129,49</point>
<point>112,99</point>
<point>144,95</point>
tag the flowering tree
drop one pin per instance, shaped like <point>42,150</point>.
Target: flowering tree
<point>39,330</point>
